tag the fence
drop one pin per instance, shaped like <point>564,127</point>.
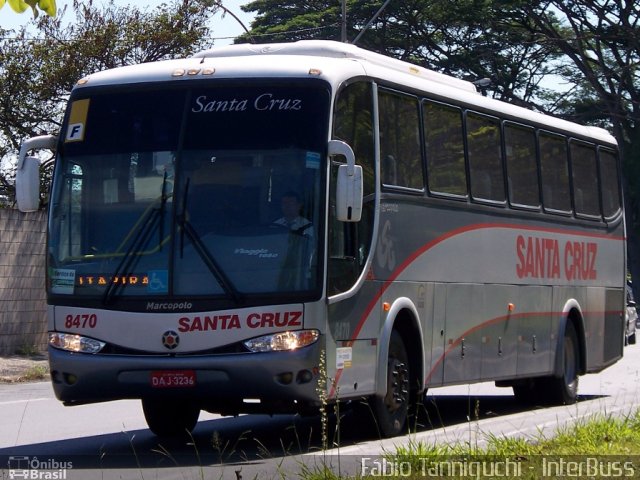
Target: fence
<point>23,324</point>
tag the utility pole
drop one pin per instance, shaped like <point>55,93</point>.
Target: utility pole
<point>343,36</point>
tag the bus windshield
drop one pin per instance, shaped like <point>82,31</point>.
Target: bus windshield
<point>206,190</point>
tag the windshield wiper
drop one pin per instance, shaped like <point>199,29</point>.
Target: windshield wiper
<point>203,251</point>
<point>155,216</point>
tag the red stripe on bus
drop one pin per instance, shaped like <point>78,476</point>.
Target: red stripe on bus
<point>505,318</point>
<point>428,246</point>
<point>502,318</point>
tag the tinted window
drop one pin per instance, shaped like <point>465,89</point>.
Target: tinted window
<point>522,171</point>
<point>444,145</point>
<point>400,140</point>
<point>349,243</point>
<point>610,186</point>
<point>585,179</point>
<point>554,168</point>
<point>125,122</point>
<point>485,157</point>
<point>257,117</point>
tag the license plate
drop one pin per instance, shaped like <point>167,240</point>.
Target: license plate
<point>173,378</point>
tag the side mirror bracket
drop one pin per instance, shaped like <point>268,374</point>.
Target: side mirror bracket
<point>349,183</point>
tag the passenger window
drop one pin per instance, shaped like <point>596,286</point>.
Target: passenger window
<point>444,147</point>
<point>554,168</point>
<point>401,162</point>
<point>585,179</point>
<point>610,183</point>
<point>522,171</point>
<point>485,157</point>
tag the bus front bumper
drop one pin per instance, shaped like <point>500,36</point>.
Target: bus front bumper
<point>274,382</point>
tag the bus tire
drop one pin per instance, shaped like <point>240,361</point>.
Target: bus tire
<point>170,418</point>
<point>391,411</point>
<point>563,390</point>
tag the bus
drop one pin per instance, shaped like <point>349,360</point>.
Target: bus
<point>449,238</point>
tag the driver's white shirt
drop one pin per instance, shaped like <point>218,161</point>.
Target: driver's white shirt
<point>300,224</point>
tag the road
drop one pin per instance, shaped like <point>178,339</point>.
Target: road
<point>111,440</point>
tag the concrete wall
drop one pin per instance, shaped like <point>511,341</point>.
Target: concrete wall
<point>23,325</point>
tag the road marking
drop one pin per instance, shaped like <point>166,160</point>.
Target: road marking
<point>24,401</point>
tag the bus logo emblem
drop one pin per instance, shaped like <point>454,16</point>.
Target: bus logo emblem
<point>170,339</point>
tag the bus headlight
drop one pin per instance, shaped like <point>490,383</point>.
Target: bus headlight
<point>75,343</point>
<point>282,341</point>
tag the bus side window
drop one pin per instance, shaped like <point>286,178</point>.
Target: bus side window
<point>444,145</point>
<point>585,179</point>
<point>554,169</point>
<point>609,176</point>
<point>522,171</point>
<point>400,140</point>
<point>485,157</point>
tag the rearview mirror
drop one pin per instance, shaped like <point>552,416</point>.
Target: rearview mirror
<point>28,185</point>
<point>348,184</point>
<point>28,172</point>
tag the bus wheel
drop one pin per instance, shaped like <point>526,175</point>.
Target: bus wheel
<point>391,410</point>
<point>170,418</point>
<point>563,390</point>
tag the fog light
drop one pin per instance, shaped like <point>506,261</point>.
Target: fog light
<point>285,378</point>
<point>304,376</point>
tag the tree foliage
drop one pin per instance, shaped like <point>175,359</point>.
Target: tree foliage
<point>471,39</point>
<point>38,73</point>
<point>589,48</point>
<point>600,45</point>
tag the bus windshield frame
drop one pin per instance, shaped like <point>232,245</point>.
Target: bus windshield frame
<point>178,192</point>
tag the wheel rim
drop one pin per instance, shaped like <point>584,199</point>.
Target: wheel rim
<point>397,385</point>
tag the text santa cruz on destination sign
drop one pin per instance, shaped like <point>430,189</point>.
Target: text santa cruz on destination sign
<point>265,102</point>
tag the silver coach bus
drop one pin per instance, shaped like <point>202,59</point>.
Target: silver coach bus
<point>219,224</point>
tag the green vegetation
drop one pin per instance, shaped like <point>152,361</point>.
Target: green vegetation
<point>19,6</point>
<point>600,447</point>
<point>27,350</point>
<point>35,373</point>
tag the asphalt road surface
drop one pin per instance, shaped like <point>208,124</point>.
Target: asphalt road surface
<point>110,440</point>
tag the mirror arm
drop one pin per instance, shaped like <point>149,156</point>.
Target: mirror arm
<point>36,143</point>
<point>338,147</point>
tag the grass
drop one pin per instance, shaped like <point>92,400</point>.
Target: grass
<point>35,373</point>
<point>28,350</point>
<point>599,447</point>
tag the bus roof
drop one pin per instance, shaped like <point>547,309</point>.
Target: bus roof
<point>401,72</point>
<point>335,62</point>
<point>333,49</point>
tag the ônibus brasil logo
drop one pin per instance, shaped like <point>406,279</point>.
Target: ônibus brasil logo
<point>33,468</point>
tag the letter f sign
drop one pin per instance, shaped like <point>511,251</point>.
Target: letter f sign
<point>75,132</point>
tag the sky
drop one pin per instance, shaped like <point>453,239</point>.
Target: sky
<point>223,29</point>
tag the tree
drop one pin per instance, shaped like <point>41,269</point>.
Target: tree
<point>471,39</point>
<point>19,6</point>
<point>593,45</point>
<point>600,43</point>
<point>37,74</point>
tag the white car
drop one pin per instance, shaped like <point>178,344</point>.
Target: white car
<point>631,317</point>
